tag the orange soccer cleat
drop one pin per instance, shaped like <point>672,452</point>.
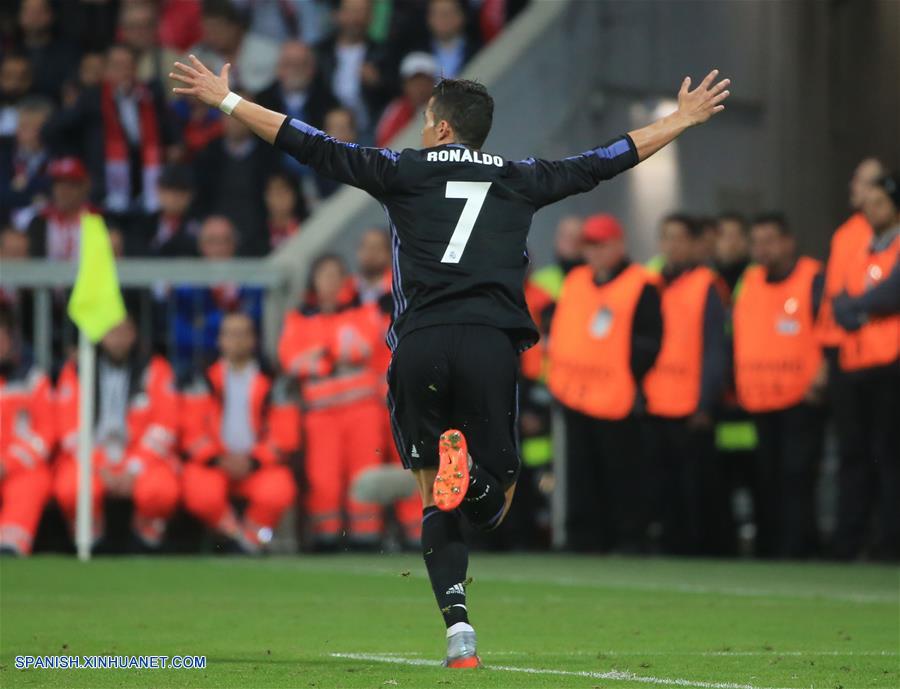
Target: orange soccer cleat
<point>452,480</point>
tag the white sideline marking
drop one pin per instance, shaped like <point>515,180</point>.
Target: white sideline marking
<point>720,654</point>
<point>611,675</point>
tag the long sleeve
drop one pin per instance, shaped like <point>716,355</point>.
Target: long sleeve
<point>370,169</point>
<point>715,359</point>
<point>646,332</point>
<point>550,181</point>
<point>882,300</point>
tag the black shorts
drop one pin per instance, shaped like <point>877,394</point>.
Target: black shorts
<point>456,376</point>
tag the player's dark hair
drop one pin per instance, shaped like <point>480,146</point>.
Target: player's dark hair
<point>467,107</point>
<point>775,218</point>
<point>690,223</point>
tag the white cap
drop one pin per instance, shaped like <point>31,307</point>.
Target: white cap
<point>418,63</point>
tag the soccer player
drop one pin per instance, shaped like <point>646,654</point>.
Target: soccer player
<point>459,220</point>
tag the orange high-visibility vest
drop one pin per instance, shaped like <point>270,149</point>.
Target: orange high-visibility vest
<point>331,354</point>
<point>776,351</point>
<point>672,386</point>
<point>848,241</point>
<point>534,360</point>
<point>877,343</point>
<point>590,342</point>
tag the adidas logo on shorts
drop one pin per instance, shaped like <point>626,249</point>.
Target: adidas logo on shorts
<point>456,590</point>
<point>414,453</point>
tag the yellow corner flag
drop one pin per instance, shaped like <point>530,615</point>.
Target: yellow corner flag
<point>96,303</point>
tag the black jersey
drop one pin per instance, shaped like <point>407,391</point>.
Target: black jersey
<point>459,220</point>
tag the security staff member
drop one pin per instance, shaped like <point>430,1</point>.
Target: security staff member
<point>604,337</point>
<point>683,388</point>
<point>869,423</point>
<point>780,377</point>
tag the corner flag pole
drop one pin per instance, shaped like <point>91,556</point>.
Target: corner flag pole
<point>96,306</point>
<point>87,359</point>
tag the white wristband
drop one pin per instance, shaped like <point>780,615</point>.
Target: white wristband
<point>229,102</point>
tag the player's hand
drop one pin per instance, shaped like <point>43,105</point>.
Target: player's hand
<point>201,83</point>
<point>703,102</point>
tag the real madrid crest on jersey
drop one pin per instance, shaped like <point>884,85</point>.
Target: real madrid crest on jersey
<point>602,323</point>
<point>787,323</point>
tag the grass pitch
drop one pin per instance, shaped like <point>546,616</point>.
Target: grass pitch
<point>371,621</point>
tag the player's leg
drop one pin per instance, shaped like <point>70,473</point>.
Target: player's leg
<point>419,401</point>
<point>485,410</point>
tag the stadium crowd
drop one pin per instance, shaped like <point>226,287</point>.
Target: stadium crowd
<point>693,393</point>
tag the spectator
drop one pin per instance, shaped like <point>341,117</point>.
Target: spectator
<point>91,69</point>
<point>124,132</point>
<point>234,170</point>
<point>180,24</point>
<point>709,237</point>
<point>298,92</point>
<point>24,183</point>
<point>493,15</point>
<point>542,290</point>
<point>604,338</point>
<point>253,57</point>
<point>340,124</point>
<point>418,71</point>
<point>138,29</point>
<point>13,244</point>
<point>52,59</point>
<point>732,248</point>
<point>288,19</point>
<point>447,40</point>
<point>171,232</point>
<point>134,453</point>
<point>56,231</point>
<point>780,377</point>
<point>869,477</point>
<point>15,84</point>
<point>197,312</point>
<point>27,436</point>
<point>848,241</point>
<point>327,345</point>
<point>351,64</point>
<point>373,259</point>
<point>683,390</point>
<point>372,284</point>
<point>284,207</point>
<point>239,429</point>
<point>200,126</point>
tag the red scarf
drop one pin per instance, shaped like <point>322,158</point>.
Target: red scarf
<point>118,177</point>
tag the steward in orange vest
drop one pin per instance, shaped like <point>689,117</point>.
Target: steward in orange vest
<point>869,421</point>
<point>780,375</point>
<point>27,441</point>
<point>851,238</point>
<point>328,346</point>
<point>683,389</point>
<point>374,285</point>
<point>238,430</point>
<point>135,453</point>
<point>604,338</point>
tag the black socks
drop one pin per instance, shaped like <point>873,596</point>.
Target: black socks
<point>484,501</point>
<point>447,560</point>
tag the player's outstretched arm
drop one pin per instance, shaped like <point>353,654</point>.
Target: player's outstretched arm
<point>371,169</point>
<point>694,107</point>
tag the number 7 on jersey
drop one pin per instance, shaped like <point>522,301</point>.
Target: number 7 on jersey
<point>474,193</point>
